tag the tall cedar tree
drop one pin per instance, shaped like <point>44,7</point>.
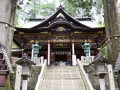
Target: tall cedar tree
<point>7,14</point>
<point>112,29</point>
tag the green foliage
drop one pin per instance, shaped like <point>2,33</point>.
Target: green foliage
<point>119,14</point>
<point>100,24</point>
<point>99,6</point>
<point>46,9</point>
<point>69,8</point>
<point>8,83</point>
<point>82,7</point>
<point>42,10</point>
<point>33,9</point>
<point>104,51</point>
<point>36,9</point>
<point>16,20</point>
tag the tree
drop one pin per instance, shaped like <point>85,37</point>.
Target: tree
<point>45,10</point>
<point>34,9</point>
<point>7,14</point>
<point>69,8</point>
<point>83,6</point>
<point>112,29</point>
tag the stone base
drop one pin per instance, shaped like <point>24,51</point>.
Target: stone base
<point>36,61</point>
<point>62,64</point>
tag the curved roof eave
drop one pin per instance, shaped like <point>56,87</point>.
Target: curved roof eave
<point>49,29</point>
<point>74,25</point>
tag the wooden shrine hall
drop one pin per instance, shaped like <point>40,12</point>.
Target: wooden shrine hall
<point>60,36</point>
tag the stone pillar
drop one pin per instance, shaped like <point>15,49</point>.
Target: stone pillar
<point>18,77</point>
<point>102,84</point>
<point>73,48</point>
<point>24,82</point>
<point>111,77</point>
<point>41,60</point>
<point>48,53</point>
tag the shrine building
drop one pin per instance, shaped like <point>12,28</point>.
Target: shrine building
<point>60,36</point>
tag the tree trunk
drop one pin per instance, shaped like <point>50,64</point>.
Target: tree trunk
<point>112,29</point>
<point>7,15</point>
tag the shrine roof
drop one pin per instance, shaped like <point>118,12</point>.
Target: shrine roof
<point>62,19</point>
<point>99,59</point>
<point>48,29</point>
<point>25,61</point>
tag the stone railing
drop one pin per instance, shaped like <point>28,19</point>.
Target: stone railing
<point>41,75</point>
<point>38,61</point>
<point>85,77</point>
<point>86,60</point>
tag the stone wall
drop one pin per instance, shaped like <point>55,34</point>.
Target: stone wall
<point>35,71</point>
<point>94,78</point>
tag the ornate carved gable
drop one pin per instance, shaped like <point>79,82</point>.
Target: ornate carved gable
<point>60,17</point>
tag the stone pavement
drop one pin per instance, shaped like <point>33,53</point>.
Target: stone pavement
<point>62,78</point>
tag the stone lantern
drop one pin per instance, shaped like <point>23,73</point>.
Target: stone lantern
<point>100,65</point>
<point>35,49</point>
<point>86,47</point>
<point>26,63</point>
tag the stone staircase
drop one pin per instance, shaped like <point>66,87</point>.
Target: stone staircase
<point>62,78</point>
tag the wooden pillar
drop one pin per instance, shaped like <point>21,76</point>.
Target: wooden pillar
<point>73,54</point>
<point>32,51</point>
<point>48,53</point>
<point>73,48</point>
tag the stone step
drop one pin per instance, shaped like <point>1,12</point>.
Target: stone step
<point>62,78</point>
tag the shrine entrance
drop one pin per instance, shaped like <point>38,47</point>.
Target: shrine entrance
<point>61,52</point>
<point>60,57</point>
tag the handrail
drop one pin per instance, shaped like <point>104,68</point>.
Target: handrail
<point>85,77</point>
<point>40,77</point>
